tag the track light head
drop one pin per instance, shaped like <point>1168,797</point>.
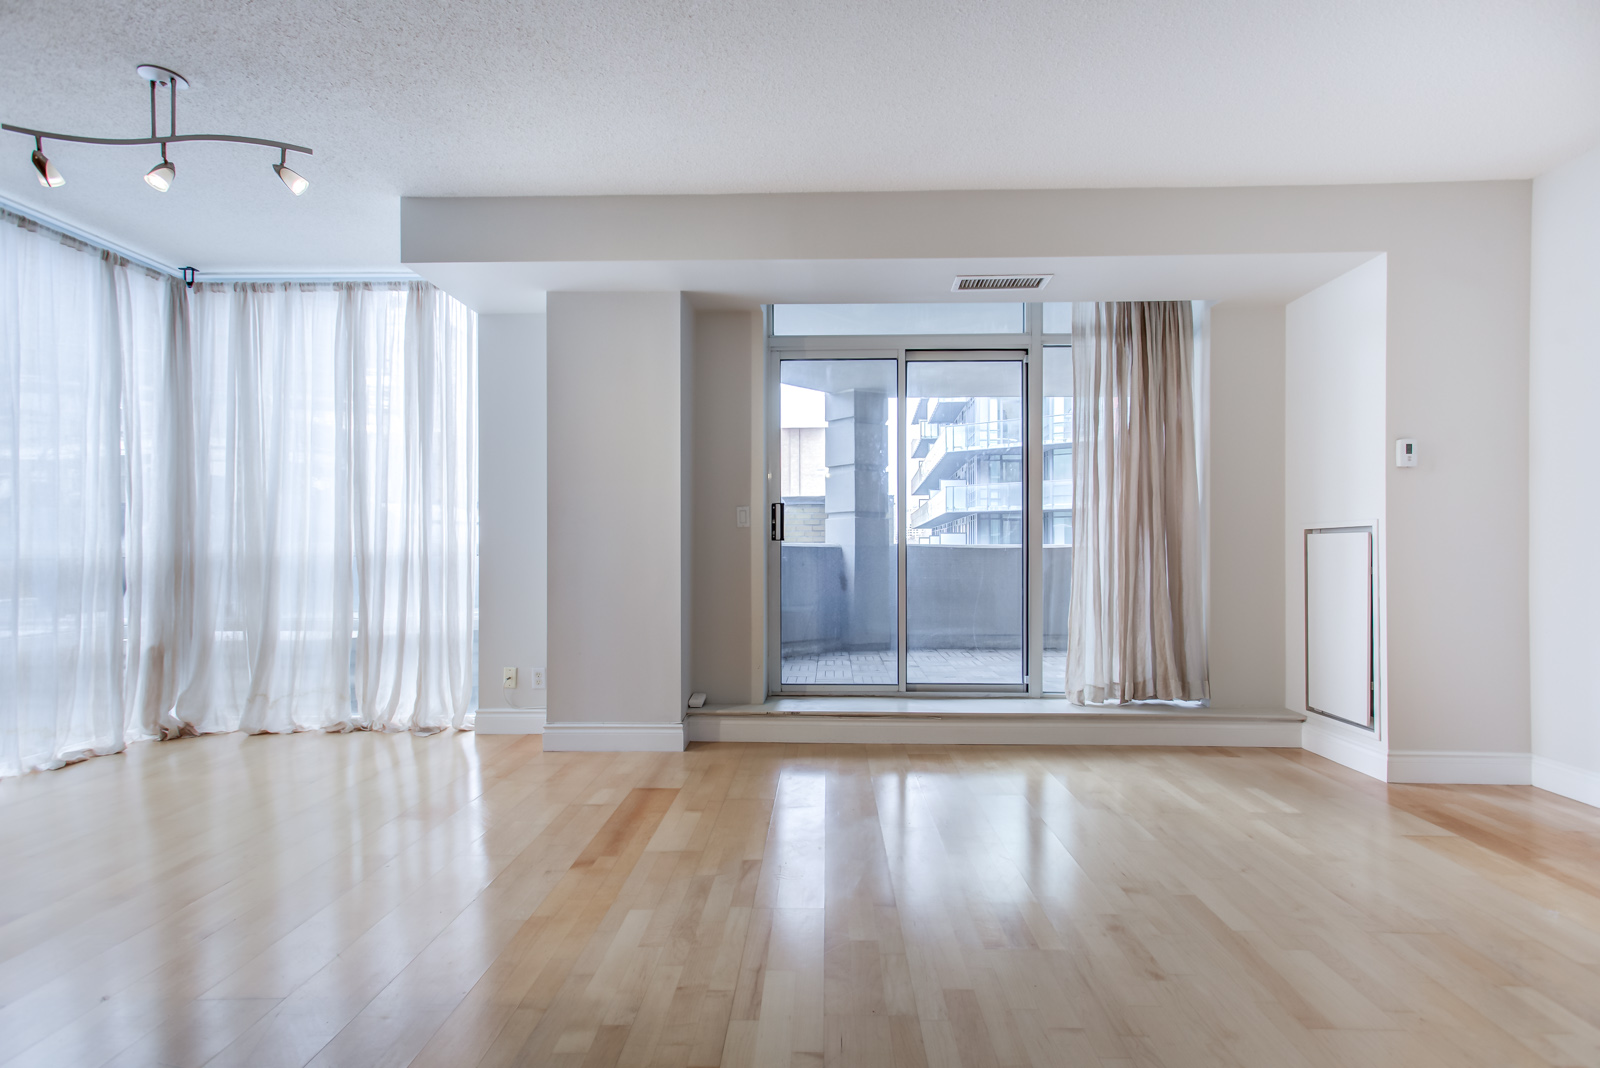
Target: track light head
<point>160,176</point>
<point>295,182</point>
<point>49,177</point>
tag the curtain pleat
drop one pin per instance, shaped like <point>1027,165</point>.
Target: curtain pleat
<point>331,537</point>
<point>412,488</point>
<point>246,507</point>
<point>1136,620</point>
<point>61,627</point>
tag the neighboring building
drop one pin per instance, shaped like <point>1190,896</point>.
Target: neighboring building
<point>803,483</point>
<point>966,485</point>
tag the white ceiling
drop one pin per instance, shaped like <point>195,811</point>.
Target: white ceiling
<point>403,97</point>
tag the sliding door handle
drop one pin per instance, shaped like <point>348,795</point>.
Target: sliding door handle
<point>777,521</point>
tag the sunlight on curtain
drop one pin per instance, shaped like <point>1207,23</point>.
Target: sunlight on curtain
<point>246,507</point>
<point>60,500</point>
<point>413,404</point>
<point>324,530</point>
<point>1137,621</point>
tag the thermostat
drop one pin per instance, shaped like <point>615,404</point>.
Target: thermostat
<point>1405,452</point>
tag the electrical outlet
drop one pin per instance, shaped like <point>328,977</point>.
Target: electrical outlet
<point>538,679</point>
<point>508,678</point>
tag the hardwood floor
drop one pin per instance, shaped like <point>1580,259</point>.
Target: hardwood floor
<point>472,901</point>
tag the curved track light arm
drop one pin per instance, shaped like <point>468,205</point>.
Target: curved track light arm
<point>153,140</point>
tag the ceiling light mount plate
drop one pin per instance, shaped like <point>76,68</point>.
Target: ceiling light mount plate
<point>162,76</point>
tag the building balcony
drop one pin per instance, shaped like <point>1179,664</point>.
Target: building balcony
<point>954,444</point>
<point>954,500</point>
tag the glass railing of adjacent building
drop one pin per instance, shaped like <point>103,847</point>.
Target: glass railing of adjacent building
<point>953,438</point>
<point>954,499</point>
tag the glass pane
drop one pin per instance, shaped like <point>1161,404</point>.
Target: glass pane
<point>964,574</point>
<point>1058,317</point>
<point>846,319</point>
<point>836,466</point>
<point>1057,488</point>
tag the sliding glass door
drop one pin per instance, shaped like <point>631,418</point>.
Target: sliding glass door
<point>920,498</point>
<point>965,575</point>
<point>834,520</point>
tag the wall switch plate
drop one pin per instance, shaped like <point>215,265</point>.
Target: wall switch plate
<point>741,515</point>
<point>1405,452</point>
<point>508,678</point>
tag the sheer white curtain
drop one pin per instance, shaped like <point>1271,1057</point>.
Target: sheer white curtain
<point>1137,618</point>
<point>321,539</point>
<point>413,406</point>
<point>61,628</point>
<point>246,507</point>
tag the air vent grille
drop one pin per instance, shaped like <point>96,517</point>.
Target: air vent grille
<point>992,282</point>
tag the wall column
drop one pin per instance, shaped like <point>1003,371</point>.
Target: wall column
<point>619,379</point>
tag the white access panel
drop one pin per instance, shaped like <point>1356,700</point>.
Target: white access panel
<point>1339,623</point>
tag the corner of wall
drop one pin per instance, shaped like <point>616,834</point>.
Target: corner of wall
<point>1563,509</point>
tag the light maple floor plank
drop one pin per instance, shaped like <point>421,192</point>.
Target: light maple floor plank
<point>368,899</point>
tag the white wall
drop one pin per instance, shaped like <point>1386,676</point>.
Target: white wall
<point>1564,486</point>
<point>729,561</point>
<point>1246,485</point>
<point>1333,448</point>
<point>1456,348</point>
<point>511,519</point>
<point>618,484</point>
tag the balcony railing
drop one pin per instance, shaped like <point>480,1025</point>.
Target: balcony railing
<point>1058,428</point>
<point>947,438</point>
<point>954,499</point>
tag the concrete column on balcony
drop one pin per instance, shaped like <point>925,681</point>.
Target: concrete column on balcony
<point>860,512</point>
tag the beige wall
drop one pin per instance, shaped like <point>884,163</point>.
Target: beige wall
<point>511,510</point>
<point>617,635</point>
<point>1334,375</point>
<point>729,654</point>
<point>1563,484</point>
<point>1455,374</point>
<point>1246,509</point>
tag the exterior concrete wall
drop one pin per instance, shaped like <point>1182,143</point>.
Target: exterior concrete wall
<point>957,596</point>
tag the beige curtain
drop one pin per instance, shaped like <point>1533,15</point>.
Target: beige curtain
<point>1137,611</point>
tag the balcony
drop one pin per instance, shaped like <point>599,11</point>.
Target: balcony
<point>1058,428</point>
<point>955,499</point>
<point>947,446</point>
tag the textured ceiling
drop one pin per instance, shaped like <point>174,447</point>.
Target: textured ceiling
<point>402,97</point>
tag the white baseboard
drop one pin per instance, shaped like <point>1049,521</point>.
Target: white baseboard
<point>1200,729</point>
<point>1341,743</point>
<point>1447,766</point>
<point>613,737</point>
<point>1568,780</point>
<point>509,721</point>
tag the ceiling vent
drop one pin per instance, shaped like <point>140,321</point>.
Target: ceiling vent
<point>966,283</point>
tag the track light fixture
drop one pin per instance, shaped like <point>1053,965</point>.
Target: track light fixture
<point>49,177</point>
<point>296,184</point>
<point>160,176</point>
